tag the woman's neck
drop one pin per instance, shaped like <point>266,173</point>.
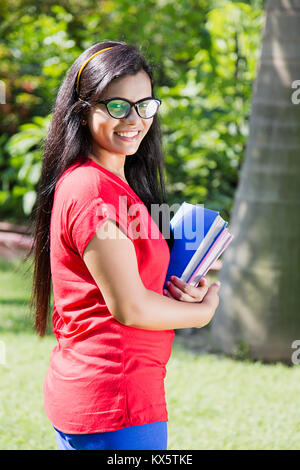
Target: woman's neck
<point>119,172</point>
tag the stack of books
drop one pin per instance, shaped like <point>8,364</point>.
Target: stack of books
<point>200,237</point>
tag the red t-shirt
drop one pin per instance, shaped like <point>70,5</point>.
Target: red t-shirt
<point>103,376</point>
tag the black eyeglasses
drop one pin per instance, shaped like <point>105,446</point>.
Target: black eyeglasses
<point>119,108</point>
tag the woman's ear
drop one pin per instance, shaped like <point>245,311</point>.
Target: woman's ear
<point>84,113</point>
<point>84,118</point>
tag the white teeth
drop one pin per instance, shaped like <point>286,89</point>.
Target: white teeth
<point>127,134</point>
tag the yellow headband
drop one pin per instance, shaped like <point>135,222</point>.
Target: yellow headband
<point>90,58</point>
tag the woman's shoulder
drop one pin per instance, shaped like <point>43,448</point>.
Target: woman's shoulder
<point>77,186</point>
<point>83,182</point>
<point>78,175</point>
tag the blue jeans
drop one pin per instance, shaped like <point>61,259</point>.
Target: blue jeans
<point>151,436</point>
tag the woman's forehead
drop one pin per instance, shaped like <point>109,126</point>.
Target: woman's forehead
<point>131,87</point>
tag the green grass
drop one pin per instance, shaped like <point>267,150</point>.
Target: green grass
<point>214,402</point>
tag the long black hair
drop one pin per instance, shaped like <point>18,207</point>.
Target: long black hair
<point>68,142</point>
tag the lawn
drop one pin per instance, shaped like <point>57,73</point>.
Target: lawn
<point>214,402</point>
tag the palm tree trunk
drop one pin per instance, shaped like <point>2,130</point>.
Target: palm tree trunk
<point>260,292</point>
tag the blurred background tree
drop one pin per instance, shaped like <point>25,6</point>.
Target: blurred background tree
<point>259,301</point>
<point>204,57</point>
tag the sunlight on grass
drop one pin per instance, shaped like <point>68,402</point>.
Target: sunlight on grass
<point>219,403</point>
<point>213,402</point>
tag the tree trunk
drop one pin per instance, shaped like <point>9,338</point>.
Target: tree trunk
<point>259,296</point>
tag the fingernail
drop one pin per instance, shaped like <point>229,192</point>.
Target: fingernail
<point>218,283</point>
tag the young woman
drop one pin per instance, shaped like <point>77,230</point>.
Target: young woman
<point>104,388</point>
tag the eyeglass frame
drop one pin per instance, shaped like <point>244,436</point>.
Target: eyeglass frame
<point>131,104</point>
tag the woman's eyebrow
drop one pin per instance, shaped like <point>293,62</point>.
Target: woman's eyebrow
<point>122,98</point>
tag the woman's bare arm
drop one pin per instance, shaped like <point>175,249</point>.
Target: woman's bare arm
<point>111,259</point>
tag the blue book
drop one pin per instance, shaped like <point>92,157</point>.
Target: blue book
<point>200,236</point>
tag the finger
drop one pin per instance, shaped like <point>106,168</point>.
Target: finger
<point>178,294</point>
<point>167,294</point>
<point>203,282</point>
<point>202,291</point>
<point>212,293</point>
<point>196,292</point>
<point>184,287</point>
<point>215,284</point>
<point>216,266</point>
<point>187,293</point>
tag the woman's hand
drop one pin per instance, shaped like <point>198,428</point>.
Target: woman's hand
<point>183,291</point>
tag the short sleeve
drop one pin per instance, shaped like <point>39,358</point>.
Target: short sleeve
<point>85,221</point>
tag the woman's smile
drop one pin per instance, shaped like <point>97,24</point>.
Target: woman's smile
<point>129,136</point>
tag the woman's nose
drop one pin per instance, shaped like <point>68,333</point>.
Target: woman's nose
<point>132,116</point>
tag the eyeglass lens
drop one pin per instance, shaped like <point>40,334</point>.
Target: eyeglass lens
<point>120,108</point>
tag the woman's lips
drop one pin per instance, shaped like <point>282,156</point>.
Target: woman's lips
<point>128,139</point>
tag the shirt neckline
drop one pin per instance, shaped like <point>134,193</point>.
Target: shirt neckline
<point>113,176</point>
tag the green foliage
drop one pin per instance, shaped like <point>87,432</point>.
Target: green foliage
<point>204,57</point>
<point>25,149</point>
<point>206,117</point>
